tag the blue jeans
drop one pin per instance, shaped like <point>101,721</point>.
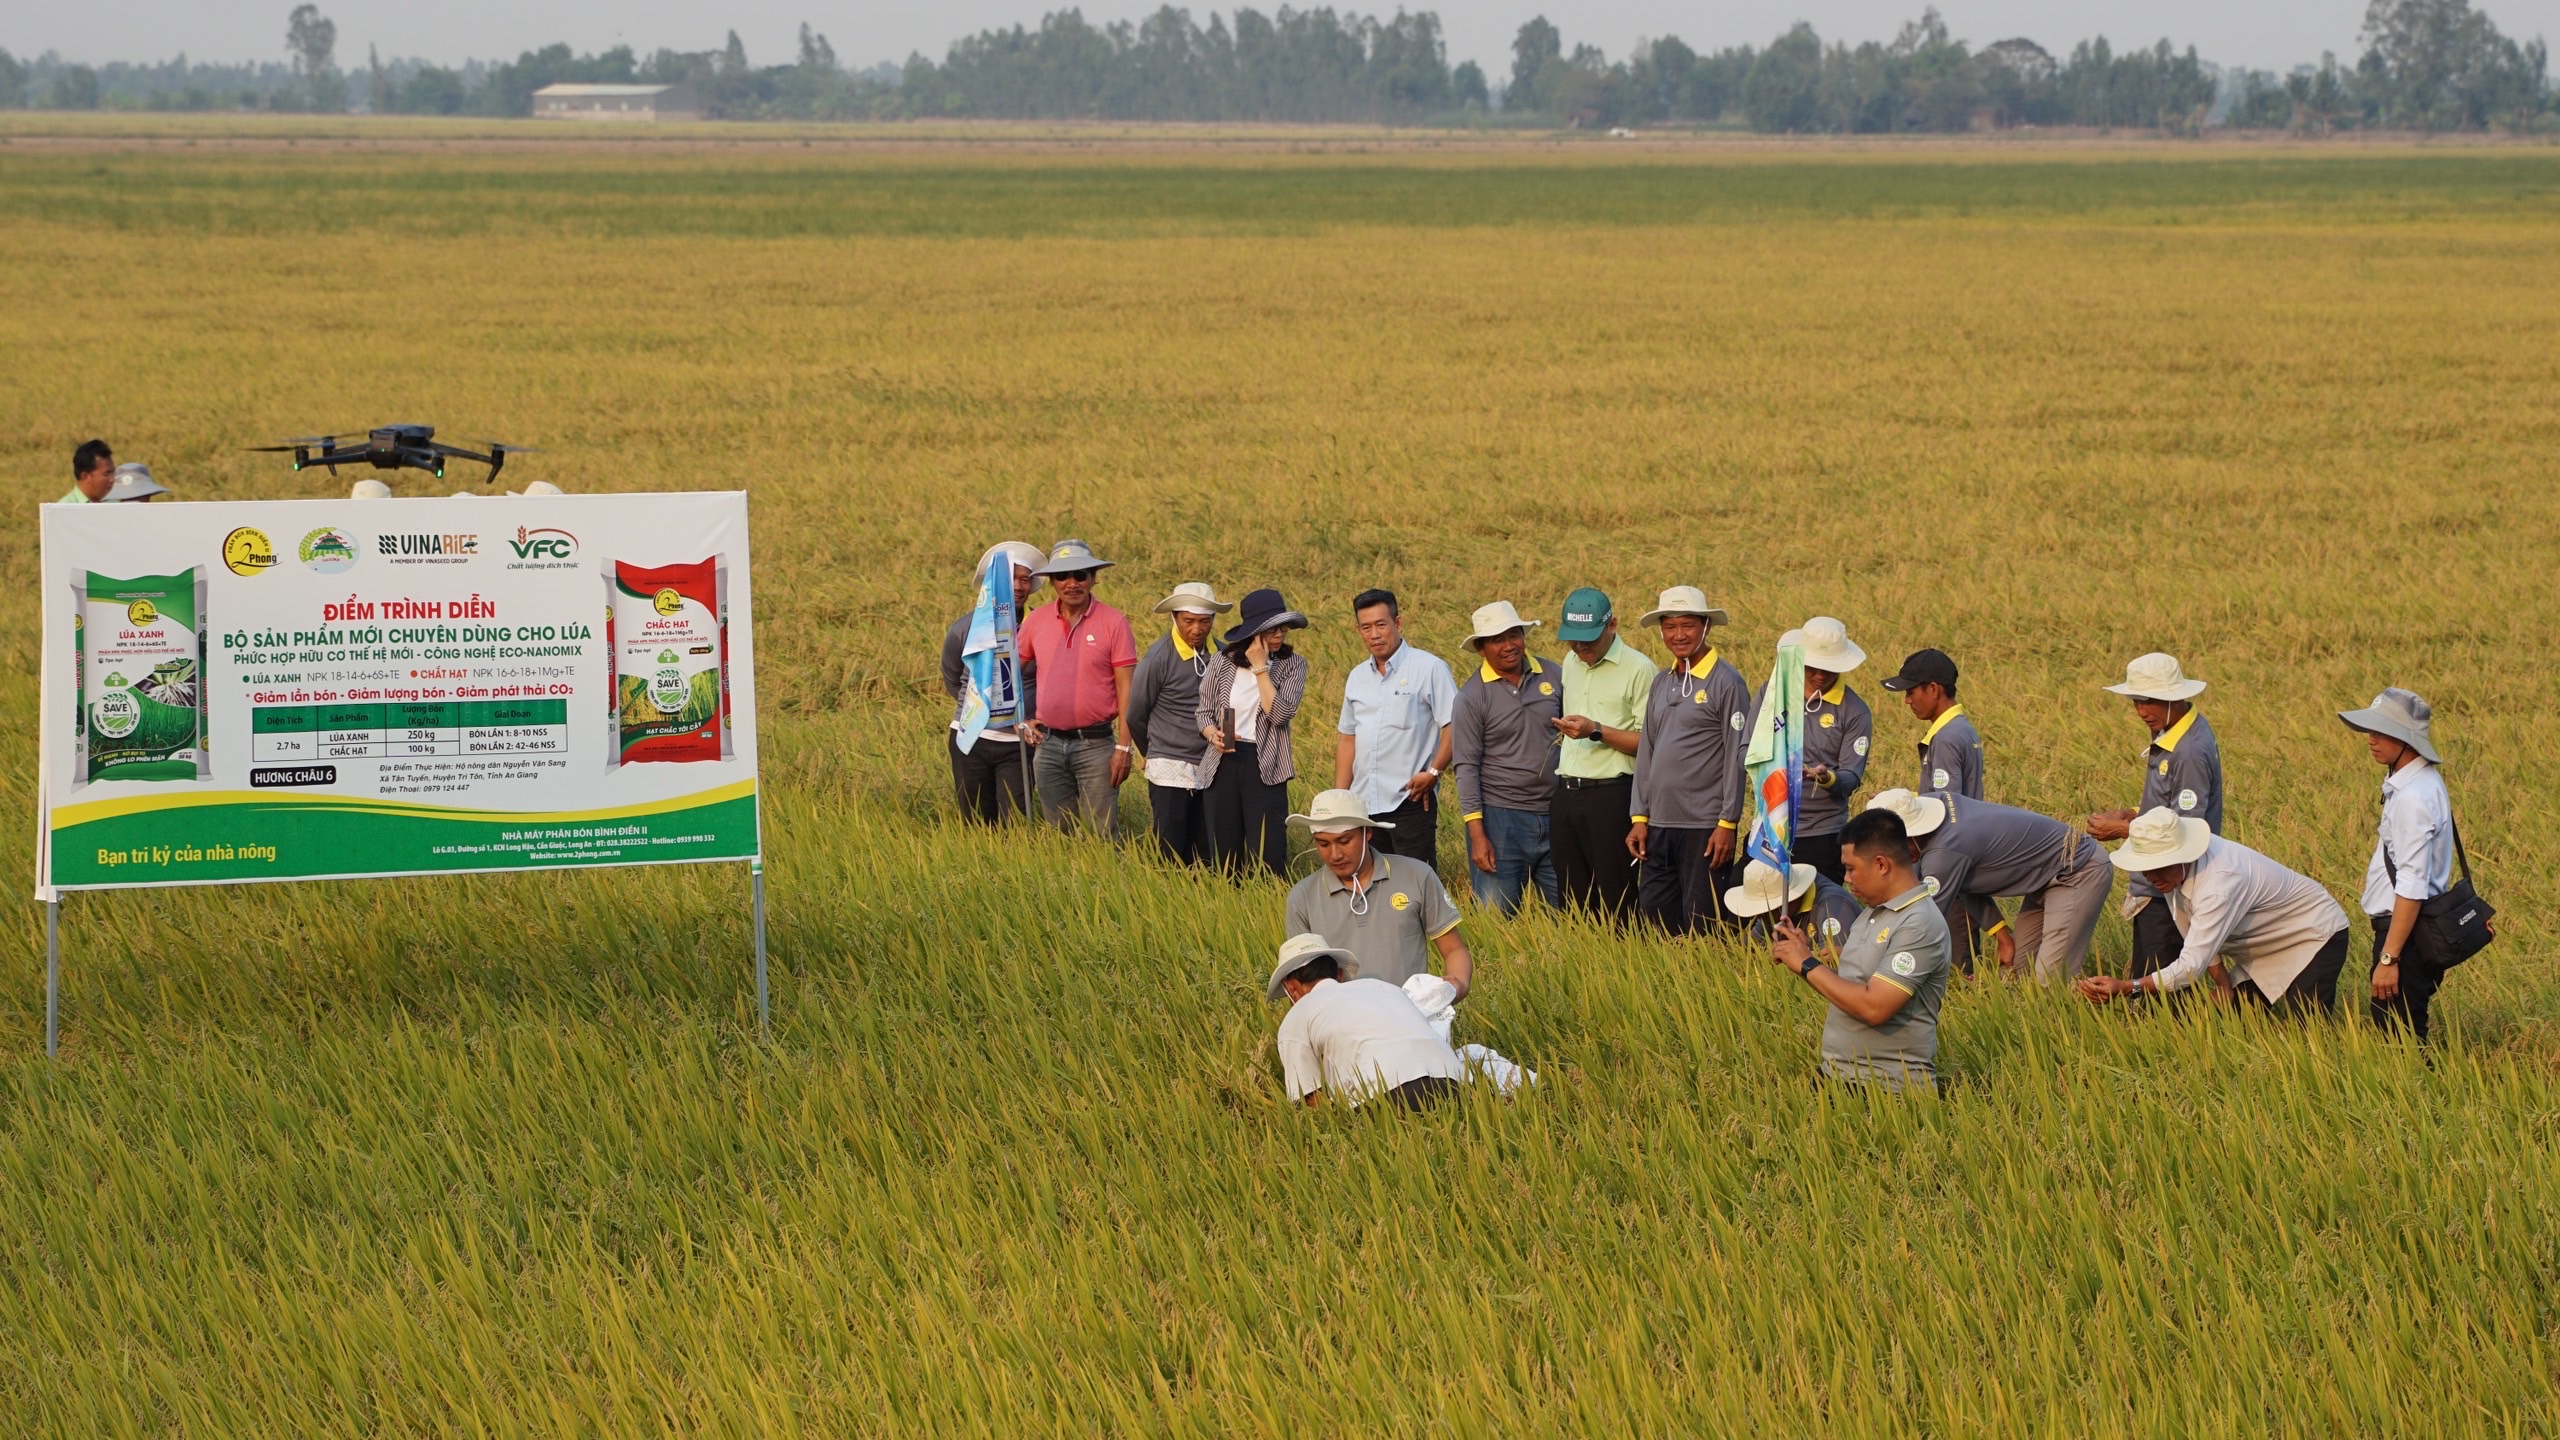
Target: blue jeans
<point>1520,856</point>
<point>1074,781</point>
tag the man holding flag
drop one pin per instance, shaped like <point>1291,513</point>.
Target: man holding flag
<point>1775,760</point>
<point>984,679</point>
<point>1687,805</point>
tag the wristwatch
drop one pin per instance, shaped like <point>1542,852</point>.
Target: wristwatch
<point>2388,959</point>
<point>1805,970</point>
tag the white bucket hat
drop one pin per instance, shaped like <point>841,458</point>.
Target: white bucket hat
<point>543,487</point>
<point>1333,812</point>
<point>1683,600</point>
<point>1298,951</point>
<point>1193,597</point>
<point>1494,619</point>
<point>1920,813</point>
<point>1025,556</point>
<point>1827,646</point>
<point>2157,677</point>
<point>134,482</point>
<point>1071,557</point>
<point>2159,838</point>
<point>1763,890</point>
<point>368,489</point>
<point>2399,714</point>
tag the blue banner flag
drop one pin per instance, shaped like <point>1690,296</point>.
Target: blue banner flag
<point>991,697</point>
<point>1776,761</point>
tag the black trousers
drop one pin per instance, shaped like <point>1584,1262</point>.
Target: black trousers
<point>1822,852</point>
<point>1424,1093</point>
<point>1587,829</point>
<point>2156,941</point>
<point>987,779</point>
<point>1678,890</point>
<point>1245,823</point>
<point>1417,832</point>
<point>1176,813</point>
<point>2316,988</point>
<point>2418,982</point>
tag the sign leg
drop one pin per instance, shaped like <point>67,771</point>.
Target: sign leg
<point>764,1002</point>
<point>52,977</point>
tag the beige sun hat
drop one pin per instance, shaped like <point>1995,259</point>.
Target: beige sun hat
<point>2399,714</point>
<point>543,487</point>
<point>1920,813</point>
<point>1299,951</point>
<point>1827,646</point>
<point>1683,600</point>
<point>368,489</point>
<point>1494,619</point>
<point>1194,597</point>
<point>1333,812</point>
<point>1763,889</point>
<point>2157,677</point>
<point>2159,838</point>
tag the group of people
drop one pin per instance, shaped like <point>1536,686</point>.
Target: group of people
<point>1608,783</point>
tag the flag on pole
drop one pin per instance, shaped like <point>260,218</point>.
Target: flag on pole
<point>1776,761</point>
<point>991,696</point>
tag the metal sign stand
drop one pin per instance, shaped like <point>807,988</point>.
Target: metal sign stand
<point>764,1007</point>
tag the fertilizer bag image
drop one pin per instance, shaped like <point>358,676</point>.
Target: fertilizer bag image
<point>670,661</point>
<point>141,677</point>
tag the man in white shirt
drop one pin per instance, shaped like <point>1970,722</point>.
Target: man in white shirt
<point>1359,1039</point>
<point>2412,858</point>
<point>2262,932</point>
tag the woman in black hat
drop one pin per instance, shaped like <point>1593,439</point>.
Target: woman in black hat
<point>1247,700</point>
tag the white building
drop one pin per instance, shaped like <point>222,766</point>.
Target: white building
<point>615,102</point>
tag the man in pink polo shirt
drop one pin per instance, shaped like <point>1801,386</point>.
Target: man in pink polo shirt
<point>1079,653</point>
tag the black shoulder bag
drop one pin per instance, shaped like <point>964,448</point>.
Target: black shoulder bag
<point>2453,926</point>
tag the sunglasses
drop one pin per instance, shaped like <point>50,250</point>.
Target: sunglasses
<point>1080,577</point>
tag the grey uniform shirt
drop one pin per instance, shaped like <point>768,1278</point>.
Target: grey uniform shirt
<point>1164,695</point>
<point>1903,943</point>
<point>1951,756</point>
<point>1405,910</point>
<point>1838,729</point>
<point>1985,851</point>
<point>1502,738</point>
<point>2182,769</point>
<point>1689,771</point>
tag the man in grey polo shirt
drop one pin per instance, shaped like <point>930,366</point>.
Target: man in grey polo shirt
<point>1164,702</point>
<point>1686,809</point>
<point>1976,853</point>
<point>2181,772</point>
<point>1389,910</point>
<point>1891,978</point>
<point>1503,749</point>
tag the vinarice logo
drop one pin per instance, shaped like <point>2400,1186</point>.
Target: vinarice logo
<point>542,548</point>
<point>428,549</point>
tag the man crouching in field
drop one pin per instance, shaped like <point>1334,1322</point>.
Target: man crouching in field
<point>1360,1039</point>
<point>1891,976</point>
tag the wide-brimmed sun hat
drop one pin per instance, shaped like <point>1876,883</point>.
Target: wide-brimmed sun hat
<point>1334,812</point>
<point>2399,714</point>
<point>543,487</point>
<point>1763,889</point>
<point>1499,618</point>
<point>1263,610</point>
<point>2157,677</point>
<point>1072,557</point>
<point>134,482</point>
<point>1920,813</point>
<point>1827,646</point>
<point>2159,838</point>
<point>1683,600</point>
<point>1024,554</point>
<point>368,489</point>
<point>1193,597</point>
<point>1299,951</point>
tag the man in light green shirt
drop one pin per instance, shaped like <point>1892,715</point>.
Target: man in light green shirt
<point>1605,685</point>
<point>93,474</point>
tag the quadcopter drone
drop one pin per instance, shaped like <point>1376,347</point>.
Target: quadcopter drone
<point>391,447</point>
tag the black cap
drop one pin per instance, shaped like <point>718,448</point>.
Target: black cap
<point>1924,667</point>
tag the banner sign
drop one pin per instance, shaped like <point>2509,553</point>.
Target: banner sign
<point>310,689</point>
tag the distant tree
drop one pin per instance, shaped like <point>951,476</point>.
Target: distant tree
<point>1783,92</point>
<point>815,52</point>
<point>1656,74</point>
<point>433,90</point>
<point>2259,101</point>
<point>1537,46</point>
<point>2017,78</point>
<point>311,38</point>
<point>1466,83</point>
<point>2319,96</point>
<point>1940,88</point>
<point>75,88</point>
<point>377,82</point>
<point>13,82</point>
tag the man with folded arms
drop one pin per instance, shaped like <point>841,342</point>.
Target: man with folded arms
<point>1686,808</point>
<point>2261,932</point>
<point>1355,1036</point>
<point>1164,698</point>
<point>1977,853</point>
<point>1503,748</point>
<point>1890,978</point>
<point>2181,770</point>
<point>1387,909</point>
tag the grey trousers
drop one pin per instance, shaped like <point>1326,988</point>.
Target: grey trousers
<point>2055,923</point>
<point>1074,779</point>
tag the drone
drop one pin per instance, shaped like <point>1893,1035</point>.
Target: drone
<point>391,447</point>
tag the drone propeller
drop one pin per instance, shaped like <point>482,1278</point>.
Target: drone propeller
<point>308,441</point>
<point>501,447</point>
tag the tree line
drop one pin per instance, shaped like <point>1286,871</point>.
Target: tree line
<point>2426,64</point>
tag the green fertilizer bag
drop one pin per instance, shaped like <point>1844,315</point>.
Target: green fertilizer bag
<point>141,675</point>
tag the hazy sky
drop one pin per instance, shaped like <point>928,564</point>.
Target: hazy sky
<point>2267,34</point>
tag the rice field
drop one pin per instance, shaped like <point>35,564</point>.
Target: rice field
<point>504,1156</point>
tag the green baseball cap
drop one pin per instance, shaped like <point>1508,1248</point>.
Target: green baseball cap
<point>1586,614</point>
